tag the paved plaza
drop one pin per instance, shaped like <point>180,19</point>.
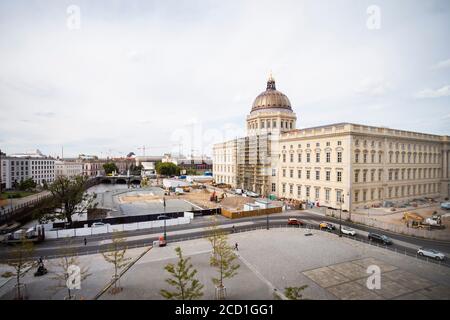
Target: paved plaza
<point>270,261</point>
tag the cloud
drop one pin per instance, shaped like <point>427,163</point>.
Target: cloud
<point>373,87</point>
<point>433,93</point>
<point>441,65</point>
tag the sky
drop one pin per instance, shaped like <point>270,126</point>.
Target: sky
<point>112,77</point>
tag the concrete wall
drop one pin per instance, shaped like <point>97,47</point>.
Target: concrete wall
<point>80,232</point>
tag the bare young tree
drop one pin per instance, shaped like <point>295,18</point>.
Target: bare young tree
<point>116,256</point>
<point>186,286</point>
<point>214,233</point>
<point>224,261</point>
<point>20,258</point>
<point>69,273</point>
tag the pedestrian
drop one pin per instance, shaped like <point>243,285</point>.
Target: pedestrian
<point>85,241</point>
<point>236,246</point>
<point>233,229</point>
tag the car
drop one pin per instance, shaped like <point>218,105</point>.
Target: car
<point>431,253</point>
<point>163,217</point>
<point>326,225</point>
<point>295,222</point>
<point>252,194</point>
<point>379,238</point>
<point>98,224</point>
<point>348,231</point>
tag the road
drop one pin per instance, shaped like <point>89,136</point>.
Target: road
<point>139,238</point>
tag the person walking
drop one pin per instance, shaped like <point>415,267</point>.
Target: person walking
<point>85,241</point>
<point>236,246</point>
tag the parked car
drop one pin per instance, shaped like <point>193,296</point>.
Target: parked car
<point>379,238</point>
<point>252,194</point>
<point>163,217</point>
<point>98,224</point>
<point>431,253</point>
<point>326,225</point>
<point>295,222</point>
<point>348,231</point>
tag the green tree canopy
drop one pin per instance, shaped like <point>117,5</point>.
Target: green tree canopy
<point>167,169</point>
<point>27,184</point>
<point>186,286</point>
<point>68,198</point>
<point>110,167</point>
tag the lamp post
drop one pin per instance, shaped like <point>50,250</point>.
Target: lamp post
<point>341,200</point>
<point>267,220</point>
<point>165,234</point>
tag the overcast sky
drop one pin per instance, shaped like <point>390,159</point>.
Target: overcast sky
<point>166,73</point>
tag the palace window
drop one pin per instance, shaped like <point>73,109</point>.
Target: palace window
<point>327,175</point>
<point>339,157</point>
<point>274,187</point>
<point>299,157</point>
<point>328,157</point>
<point>308,174</point>
<point>339,176</point>
<point>317,175</point>
<point>308,157</point>
<point>317,157</point>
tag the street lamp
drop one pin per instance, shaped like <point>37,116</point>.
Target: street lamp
<point>165,217</point>
<point>341,200</point>
<point>267,220</point>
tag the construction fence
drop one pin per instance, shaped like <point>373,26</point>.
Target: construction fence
<point>250,213</point>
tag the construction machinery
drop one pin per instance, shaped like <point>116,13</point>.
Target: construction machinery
<point>417,221</point>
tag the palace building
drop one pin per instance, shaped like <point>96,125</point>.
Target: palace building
<point>344,164</point>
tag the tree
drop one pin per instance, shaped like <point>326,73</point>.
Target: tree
<point>294,293</point>
<point>214,233</point>
<point>186,286</point>
<point>20,259</point>
<point>167,168</point>
<point>27,184</point>
<point>116,256</point>
<point>136,170</point>
<point>110,167</point>
<point>68,198</point>
<point>69,273</point>
<point>223,259</point>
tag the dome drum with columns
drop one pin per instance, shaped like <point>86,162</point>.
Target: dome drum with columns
<point>271,112</point>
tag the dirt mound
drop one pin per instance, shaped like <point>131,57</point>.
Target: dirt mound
<point>235,202</point>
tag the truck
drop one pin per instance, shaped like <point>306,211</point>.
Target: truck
<point>34,234</point>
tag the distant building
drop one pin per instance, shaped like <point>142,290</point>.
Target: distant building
<point>68,168</point>
<point>198,163</point>
<point>21,166</point>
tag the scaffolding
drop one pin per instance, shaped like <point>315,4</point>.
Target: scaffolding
<point>253,163</point>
